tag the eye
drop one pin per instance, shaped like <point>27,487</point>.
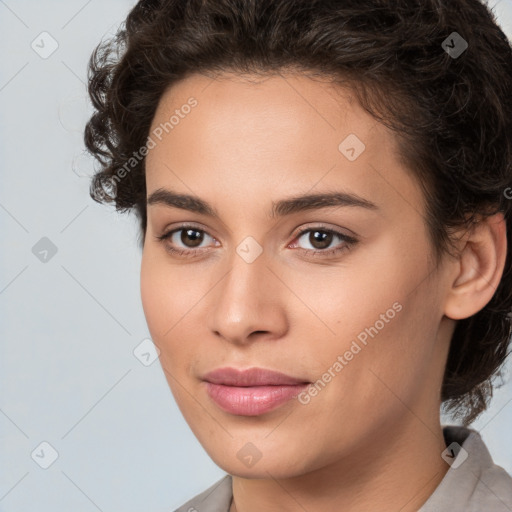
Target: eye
<point>188,240</point>
<point>185,240</point>
<point>320,239</point>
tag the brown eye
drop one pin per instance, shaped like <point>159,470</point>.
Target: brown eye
<point>194,236</point>
<point>185,240</point>
<point>320,239</point>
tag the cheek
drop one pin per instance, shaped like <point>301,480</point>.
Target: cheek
<point>171,298</point>
<point>167,293</point>
<point>162,300</point>
<point>165,308</point>
<point>355,329</point>
<point>152,295</point>
<point>378,316</point>
<point>339,303</point>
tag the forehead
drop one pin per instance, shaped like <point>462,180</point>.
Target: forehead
<point>293,105</point>
<point>276,132</point>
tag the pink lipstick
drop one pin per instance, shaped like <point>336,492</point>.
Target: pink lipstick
<point>251,392</point>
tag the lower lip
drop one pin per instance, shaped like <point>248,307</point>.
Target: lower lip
<point>251,401</point>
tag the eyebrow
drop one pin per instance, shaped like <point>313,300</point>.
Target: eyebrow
<point>279,209</point>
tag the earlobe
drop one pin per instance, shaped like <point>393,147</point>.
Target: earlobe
<point>478,269</point>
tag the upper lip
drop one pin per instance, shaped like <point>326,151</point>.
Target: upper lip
<point>251,377</point>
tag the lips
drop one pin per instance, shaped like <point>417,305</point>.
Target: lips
<point>251,377</point>
<point>251,392</point>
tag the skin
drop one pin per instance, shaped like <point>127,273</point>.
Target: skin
<point>371,439</point>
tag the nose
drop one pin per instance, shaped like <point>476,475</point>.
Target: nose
<point>248,303</point>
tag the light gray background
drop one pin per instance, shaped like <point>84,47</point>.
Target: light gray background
<point>69,325</point>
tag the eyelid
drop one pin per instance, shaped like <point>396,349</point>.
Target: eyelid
<point>320,226</point>
<point>167,233</point>
<point>348,240</point>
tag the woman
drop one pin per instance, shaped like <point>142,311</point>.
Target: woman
<point>323,190</point>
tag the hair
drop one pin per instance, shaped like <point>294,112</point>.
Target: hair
<point>452,114</point>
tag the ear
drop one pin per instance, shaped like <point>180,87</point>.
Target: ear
<point>478,269</point>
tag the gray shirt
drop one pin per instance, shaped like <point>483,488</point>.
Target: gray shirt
<point>472,484</point>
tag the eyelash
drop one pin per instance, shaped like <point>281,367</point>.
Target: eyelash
<point>349,242</point>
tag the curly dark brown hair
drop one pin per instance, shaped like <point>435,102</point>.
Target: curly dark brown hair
<point>452,114</point>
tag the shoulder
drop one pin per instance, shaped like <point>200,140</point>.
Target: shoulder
<point>474,482</point>
<point>217,498</point>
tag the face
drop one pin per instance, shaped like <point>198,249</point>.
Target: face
<point>338,291</point>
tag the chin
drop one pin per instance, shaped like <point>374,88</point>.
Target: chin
<point>279,465</point>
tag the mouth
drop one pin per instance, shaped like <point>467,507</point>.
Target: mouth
<point>251,392</point>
